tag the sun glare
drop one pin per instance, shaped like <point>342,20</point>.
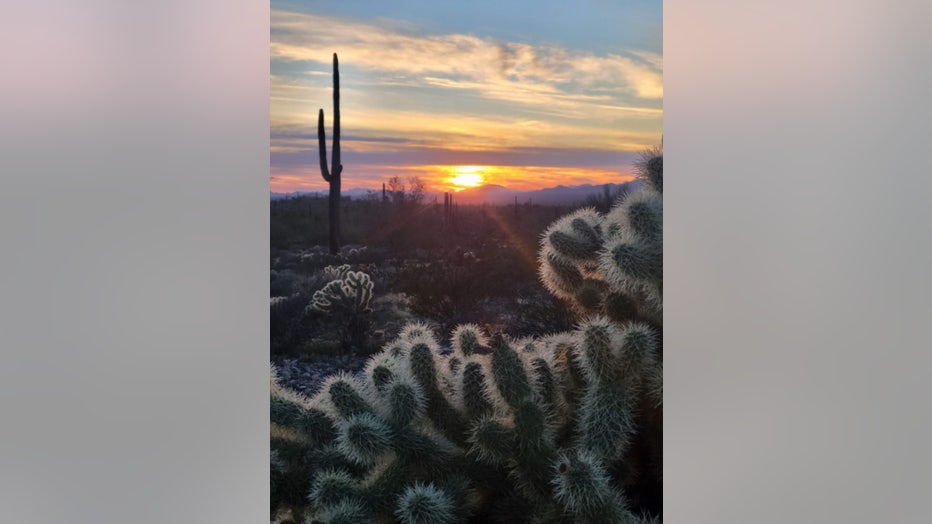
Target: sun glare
<point>466,176</point>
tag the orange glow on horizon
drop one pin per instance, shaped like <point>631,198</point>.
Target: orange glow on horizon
<point>522,178</point>
<point>440,178</point>
<point>466,176</point>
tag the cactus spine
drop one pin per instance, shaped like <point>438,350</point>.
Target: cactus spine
<point>332,175</point>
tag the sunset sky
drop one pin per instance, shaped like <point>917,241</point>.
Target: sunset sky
<point>524,94</point>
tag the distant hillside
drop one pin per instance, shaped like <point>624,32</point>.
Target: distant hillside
<point>499,195</point>
<point>356,192</point>
<point>496,195</point>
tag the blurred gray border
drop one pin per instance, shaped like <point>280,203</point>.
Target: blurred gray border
<point>134,290</point>
<point>134,220</point>
<point>798,231</point>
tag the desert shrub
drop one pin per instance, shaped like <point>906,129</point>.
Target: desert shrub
<point>390,313</point>
<point>287,323</point>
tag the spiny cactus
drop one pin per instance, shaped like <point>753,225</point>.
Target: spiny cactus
<point>468,339</point>
<point>382,433</point>
<point>612,264</point>
<point>576,237</point>
<point>650,168</point>
<point>553,422</point>
<point>582,485</point>
<point>346,301</point>
<point>425,504</point>
<point>336,272</point>
<point>351,291</point>
<point>565,428</point>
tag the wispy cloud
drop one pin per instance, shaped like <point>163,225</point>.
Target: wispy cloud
<point>496,68</point>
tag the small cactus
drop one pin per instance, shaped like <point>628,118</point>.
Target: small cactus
<point>336,272</point>
<point>345,300</point>
<point>350,292</point>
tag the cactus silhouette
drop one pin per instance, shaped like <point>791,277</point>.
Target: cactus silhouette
<point>332,175</point>
<point>565,428</point>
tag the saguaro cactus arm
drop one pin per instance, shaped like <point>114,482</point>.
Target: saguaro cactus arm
<point>322,146</point>
<point>322,135</point>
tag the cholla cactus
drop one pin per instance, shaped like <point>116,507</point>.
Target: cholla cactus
<point>553,423</point>
<point>582,485</point>
<point>468,339</point>
<point>612,264</point>
<point>277,301</point>
<point>650,168</point>
<point>346,300</point>
<point>379,448</point>
<point>558,429</point>
<point>336,272</point>
<point>425,504</point>
<point>352,291</point>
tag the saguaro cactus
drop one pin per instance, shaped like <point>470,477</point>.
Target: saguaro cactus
<point>332,176</point>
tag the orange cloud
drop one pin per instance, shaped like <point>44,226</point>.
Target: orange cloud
<point>476,133</point>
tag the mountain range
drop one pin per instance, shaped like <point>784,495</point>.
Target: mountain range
<point>495,194</point>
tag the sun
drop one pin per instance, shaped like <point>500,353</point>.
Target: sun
<point>466,176</point>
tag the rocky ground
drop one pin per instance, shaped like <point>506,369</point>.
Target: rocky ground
<point>306,375</point>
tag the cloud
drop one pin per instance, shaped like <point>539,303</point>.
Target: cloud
<point>497,69</point>
<point>392,130</point>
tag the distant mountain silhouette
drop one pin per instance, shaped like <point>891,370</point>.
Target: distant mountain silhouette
<point>489,193</point>
<point>493,194</point>
<point>499,195</point>
<point>356,192</point>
